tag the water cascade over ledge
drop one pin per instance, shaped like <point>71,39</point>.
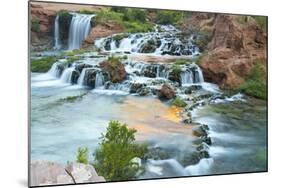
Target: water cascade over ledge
<point>79,29</point>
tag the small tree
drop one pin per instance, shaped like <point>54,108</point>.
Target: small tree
<point>82,155</point>
<point>113,159</point>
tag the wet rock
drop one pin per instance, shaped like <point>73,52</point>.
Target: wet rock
<point>166,92</point>
<point>200,131</point>
<point>74,76</point>
<point>115,69</point>
<point>187,118</point>
<point>136,87</point>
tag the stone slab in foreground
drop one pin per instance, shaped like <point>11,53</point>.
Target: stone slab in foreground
<point>51,173</point>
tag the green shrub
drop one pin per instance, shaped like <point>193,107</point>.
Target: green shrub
<point>42,64</point>
<point>85,11</point>
<point>179,102</point>
<point>137,27</point>
<point>255,84</point>
<point>113,159</point>
<point>169,17</point>
<point>202,40</point>
<point>35,25</point>
<point>133,14</point>
<point>105,15</point>
<point>82,155</point>
<point>176,69</point>
<point>261,21</point>
<point>181,62</point>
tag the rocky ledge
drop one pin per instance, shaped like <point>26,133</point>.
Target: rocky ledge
<point>51,173</point>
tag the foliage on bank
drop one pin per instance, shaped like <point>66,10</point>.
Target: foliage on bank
<point>255,84</point>
<point>114,158</point>
<point>42,64</point>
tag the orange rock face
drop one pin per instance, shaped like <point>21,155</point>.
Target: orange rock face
<point>102,30</point>
<point>233,51</point>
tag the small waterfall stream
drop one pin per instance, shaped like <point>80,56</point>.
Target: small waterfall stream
<point>57,34</point>
<point>66,75</point>
<point>79,29</point>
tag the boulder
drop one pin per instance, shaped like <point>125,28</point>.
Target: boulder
<point>166,92</point>
<point>115,69</point>
<point>44,173</point>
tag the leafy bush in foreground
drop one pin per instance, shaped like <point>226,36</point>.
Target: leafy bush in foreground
<point>113,159</point>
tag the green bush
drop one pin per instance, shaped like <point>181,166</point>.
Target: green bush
<point>35,25</point>
<point>133,14</point>
<point>169,17</point>
<point>202,40</point>
<point>137,27</point>
<point>42,64</point>
<point>85,11</point>
<point>82,155</point>
<point>255,84</point>
<point>105,15</point>
<point>181,62</point>
<point>179,102</point>
<point>176,69</point>
<point>261,21</point>
<point>113,159</point>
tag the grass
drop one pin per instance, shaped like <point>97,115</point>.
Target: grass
<point>255,84</point>
<point>42,64</point>
<point>261,21</point>
<point>72,98</point>
<point>181,62</point>
<point>179,102</point>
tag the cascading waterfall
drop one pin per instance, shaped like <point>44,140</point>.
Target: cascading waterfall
<point>186,77</point>
<point>57,34</point>
<point>79,29</point>
<point>157,43</point>
<point>99,80</point>
<point>54,71</point>
<point>66,75</point>
<point>80,80</point>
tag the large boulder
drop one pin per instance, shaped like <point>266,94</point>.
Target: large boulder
<point>50,173</point>
<point>115,69</point>
<point>166,92</point>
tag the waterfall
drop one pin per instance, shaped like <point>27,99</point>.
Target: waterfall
<point>54,71</point>
<point>79,29</point>
<point>200,75</point>
<point>99,80</point>
<point>186,77</point>
<point>66,75</point>
<point>57,34</point>
<point>80,80</point>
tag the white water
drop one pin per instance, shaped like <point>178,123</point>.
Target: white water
<point>66,75</point>
<point>80,80</point>
<point>134,43</point>
<point>99,80</point>
<point>57,34</point>
<point>79,29</point>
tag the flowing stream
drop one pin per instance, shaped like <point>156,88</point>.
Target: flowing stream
<point>235,139</point>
